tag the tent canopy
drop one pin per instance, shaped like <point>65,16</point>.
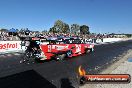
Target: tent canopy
<point>12,30</point>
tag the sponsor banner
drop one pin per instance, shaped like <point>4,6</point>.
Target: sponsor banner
<point>93,41</point>
<point>7,46</point>
<point>103,40</point>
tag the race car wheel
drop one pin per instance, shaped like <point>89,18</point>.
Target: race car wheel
<point>28,54</point>
<point>27,58</point>
<point>89,50</point>
<point>69,53</point>
<point>60,57</point>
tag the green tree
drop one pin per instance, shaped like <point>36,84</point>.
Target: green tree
<point>44,31</point>
<point>53,30</point>
<point>75,28</point>
<point>65,28</point>
<point>129,35</point>
<point>59,25</point>
<point>4,30</point>
<point>84,29</point>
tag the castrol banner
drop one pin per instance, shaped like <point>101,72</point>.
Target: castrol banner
<point>6,46</point>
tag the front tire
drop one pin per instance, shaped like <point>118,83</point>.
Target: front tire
<point>69,53</point>
<point>89,50</point>
<point>60,57</point>
<point>27,57</point>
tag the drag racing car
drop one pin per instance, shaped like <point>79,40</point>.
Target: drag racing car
<point>58,48</point>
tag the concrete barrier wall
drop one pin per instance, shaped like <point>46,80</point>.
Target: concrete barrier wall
<point>112,39</point>
<point>11,46</point>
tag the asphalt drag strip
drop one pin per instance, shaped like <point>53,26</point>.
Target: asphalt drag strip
<point>58,74</point>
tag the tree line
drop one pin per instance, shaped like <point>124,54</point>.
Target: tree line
<point>62,27</point>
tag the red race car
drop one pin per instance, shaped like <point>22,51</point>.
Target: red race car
<point>58,49</point>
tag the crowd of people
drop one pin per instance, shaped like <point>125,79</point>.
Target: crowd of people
<point>6,36</point>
